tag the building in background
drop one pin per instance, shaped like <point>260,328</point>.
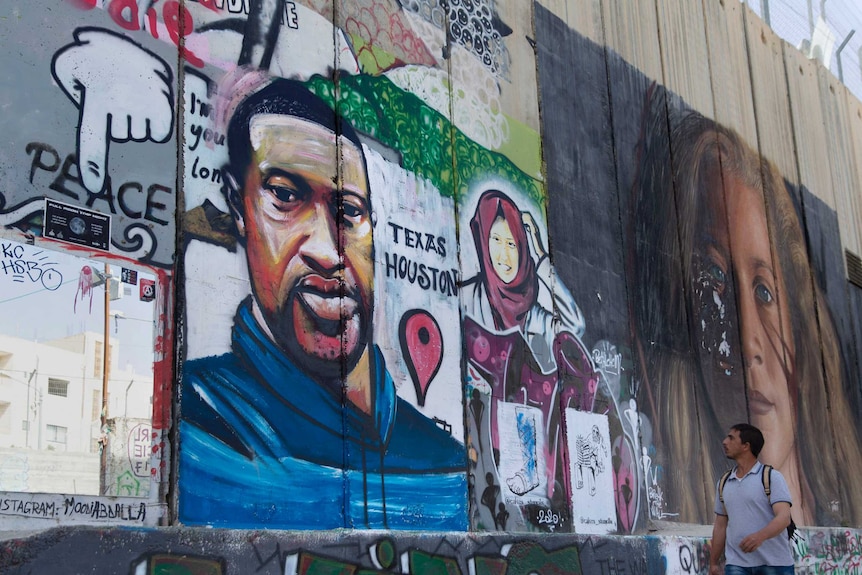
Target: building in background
<point>50,413</point>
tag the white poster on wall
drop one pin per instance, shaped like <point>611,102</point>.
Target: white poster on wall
<point>522,454</point>
<point>591,472</point>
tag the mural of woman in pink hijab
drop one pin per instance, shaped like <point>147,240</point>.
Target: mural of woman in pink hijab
<point>522,333</point>
<point>515,288</point>
<point>501,242</point>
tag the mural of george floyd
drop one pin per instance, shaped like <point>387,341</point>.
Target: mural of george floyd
<point>492,279</point>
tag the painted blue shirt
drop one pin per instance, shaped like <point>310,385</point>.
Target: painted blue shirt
<point>263,445</point>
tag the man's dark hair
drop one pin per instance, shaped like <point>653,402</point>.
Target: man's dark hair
<point>750,435</point>
<point>287,98</point>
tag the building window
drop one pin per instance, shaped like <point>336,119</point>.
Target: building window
<point>58,387</point>
<point>56,434</point>
<point>97,360</point>
<point>96,414</point>
<point>5,418</point>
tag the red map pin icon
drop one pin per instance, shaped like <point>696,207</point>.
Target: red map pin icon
<point>422,348</point>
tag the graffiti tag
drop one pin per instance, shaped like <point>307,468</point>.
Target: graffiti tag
<point>22,268</point>
<point>28,508</point>
<point>549,518</point>
<point>100,510</point>
<point>523,558</point>
<point>609,363</point>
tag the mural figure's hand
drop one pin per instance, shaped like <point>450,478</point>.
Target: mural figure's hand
<point>123,91</point>
<point>534,236</point>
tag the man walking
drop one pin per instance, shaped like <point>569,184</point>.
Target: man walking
<point>750,525</point>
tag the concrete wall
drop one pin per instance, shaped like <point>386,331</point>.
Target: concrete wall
<point>204,552</point>
<point>464,266</point>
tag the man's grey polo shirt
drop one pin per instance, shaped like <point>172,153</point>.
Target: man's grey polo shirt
<point>748,510</point>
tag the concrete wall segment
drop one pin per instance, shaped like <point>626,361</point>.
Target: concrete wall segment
<point>219,552</point>
<point>508,277</point>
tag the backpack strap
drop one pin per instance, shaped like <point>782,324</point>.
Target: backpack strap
<point>721,483</point>
<point>766,477</point>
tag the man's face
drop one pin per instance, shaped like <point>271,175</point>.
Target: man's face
<point>732,444</point>
<point>308,242</point>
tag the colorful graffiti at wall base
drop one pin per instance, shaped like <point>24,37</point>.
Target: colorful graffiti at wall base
<point>419,265</point>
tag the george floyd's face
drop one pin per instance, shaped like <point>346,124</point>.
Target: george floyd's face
<point>767,348</point>
<point>503,250</point>
<point>308,241</point>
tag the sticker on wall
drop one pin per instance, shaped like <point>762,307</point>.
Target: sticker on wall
<point>148,290</point>
<point>591,472</point>
<point>76,225</point>
<point>128,276</point>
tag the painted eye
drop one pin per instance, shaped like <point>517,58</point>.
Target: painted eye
<point>352,211</point>
<point>354,208</point>
<point>716,273</point>
<point>762,293</point>
<point>282,194</point>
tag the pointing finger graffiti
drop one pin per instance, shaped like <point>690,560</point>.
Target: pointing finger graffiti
<point>123,92</point>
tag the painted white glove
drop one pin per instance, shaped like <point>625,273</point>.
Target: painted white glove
<point>123,91</point>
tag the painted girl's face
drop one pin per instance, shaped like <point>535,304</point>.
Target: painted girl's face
<point>767,348</point>
<point>503,250</point>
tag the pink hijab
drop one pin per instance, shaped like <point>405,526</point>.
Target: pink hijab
<point>509,302</point>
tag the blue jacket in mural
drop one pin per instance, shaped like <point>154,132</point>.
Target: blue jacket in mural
<point>264,445</point>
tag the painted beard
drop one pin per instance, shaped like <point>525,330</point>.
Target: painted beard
<point>324,326</point>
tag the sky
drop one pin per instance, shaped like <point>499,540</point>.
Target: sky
<point>789,19</point>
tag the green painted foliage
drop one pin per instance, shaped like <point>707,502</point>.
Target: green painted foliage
<point>424,137</point>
